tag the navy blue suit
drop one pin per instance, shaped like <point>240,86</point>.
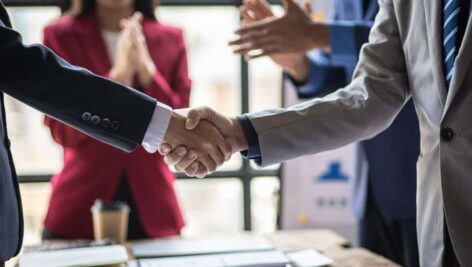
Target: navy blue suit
<point>37,77</point>
<point>388,202</point>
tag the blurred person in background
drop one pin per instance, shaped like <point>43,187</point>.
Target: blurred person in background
<point>384,194</point>
<point>123,41</point>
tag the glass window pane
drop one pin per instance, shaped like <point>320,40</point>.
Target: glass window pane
<point>211,206</point>
<point>265,194</point>
<point>35,197</point>
<point>265,85</point>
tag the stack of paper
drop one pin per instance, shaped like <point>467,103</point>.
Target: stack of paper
<point>253,259</point>
<point>308,258</point>
<point>170,248</point>
<point>94,256</point>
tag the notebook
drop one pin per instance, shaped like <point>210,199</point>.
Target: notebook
<point>175,247</point>
<point>94,256</point>
<point>242,259</point>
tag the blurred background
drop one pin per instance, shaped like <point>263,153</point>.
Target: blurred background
<point>239,196</point>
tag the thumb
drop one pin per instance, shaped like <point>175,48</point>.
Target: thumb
<point>123,23</point>
<point>307,7</point>
<point>289,5</point>
<point>195,115</point>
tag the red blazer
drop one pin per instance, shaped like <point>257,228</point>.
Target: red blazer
<point>92,169</point>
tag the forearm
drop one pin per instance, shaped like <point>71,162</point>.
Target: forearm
<point>361,110</point>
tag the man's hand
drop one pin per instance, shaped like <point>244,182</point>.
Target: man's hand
<point>207,143</point>
<point>186,160</point>
<point>295,64</point>
<point>295,32</point>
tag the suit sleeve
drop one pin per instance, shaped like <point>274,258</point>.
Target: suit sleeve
<point>43,80</point>
<point>359,111</point>
<point>176,92</point>
<point>62,134</point>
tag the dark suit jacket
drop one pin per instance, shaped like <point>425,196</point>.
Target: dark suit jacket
<point>392,154</point>
<point>37,77</point>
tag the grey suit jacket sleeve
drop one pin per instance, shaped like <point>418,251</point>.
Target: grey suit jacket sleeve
<point>359,111</point>
<point>41,79</point>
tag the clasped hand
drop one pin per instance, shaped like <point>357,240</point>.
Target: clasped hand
<point>200,140</point>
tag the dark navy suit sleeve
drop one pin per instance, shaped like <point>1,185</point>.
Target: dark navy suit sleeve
<point>346,39</point>
<point>323,78</point>
<point>254,150</point>
<point>41,79</point>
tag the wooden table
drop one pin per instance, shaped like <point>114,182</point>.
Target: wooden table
<point>329,243</point>
<point>323,240</point>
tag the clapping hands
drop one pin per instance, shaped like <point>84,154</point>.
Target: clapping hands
<point>201,142</point>
<point>132,55</point>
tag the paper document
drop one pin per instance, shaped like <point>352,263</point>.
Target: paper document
<point>308,258</point>
<point>94,256</point>
<point>176,247</point>
<point>246,259</point>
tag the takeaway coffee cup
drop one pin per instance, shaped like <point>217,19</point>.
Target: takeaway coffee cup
<point>110,220</point>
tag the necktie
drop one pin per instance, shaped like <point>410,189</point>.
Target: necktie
<point>451,13</point>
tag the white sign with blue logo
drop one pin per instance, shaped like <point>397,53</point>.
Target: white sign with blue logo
<point>317,188</point>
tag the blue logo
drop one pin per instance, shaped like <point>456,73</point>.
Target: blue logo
<point>334,173</point>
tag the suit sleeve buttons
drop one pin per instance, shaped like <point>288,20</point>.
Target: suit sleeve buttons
<point>106,123</point>
<point>95,119</point>
<point>115,125</point>
<point>86,116</point>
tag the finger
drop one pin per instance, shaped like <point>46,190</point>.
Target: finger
<point>257,26</point>
<point>175,156</point>
<point>123,23</point>
<point>265,7</point>
<point>244,12</point>
<point>192,169</point>
<point>226,149</point>
<point>165,149</point>
<point>307,7</point>
<point>194,116</point>
<point>289,5</point>
<point>249,37</point>
<point>207,162</point>
<point>187,161</point>
<point>218,157</point>
<point>266,52</point>
<point>261,9</point>
<point>138,16</point>
<point>263,44</point>
<point>201,172</point>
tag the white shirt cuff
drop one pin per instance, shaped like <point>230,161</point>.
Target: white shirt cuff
<point>157,127</point>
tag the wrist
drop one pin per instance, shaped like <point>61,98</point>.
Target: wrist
<point>319,36</point>
<point>238,135</point>
<point>121,75</point>
<point>299,68</point>
<point>146,73</point>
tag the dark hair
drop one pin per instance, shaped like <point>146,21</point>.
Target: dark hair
<point>146,7</point>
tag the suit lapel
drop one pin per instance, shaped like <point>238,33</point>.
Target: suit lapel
<point>462,64</point>
<point>434,31</point>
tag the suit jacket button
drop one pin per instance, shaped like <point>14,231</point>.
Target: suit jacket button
<point>447,134</point>
<point>86,116</point>
<point>95,119</point>
<point>106,123</point>
<point>115,125</point>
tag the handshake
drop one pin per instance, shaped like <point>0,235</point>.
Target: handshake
<point>198,141</point>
